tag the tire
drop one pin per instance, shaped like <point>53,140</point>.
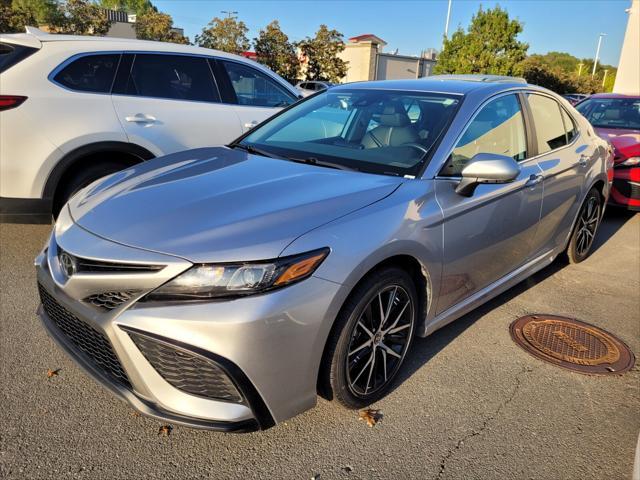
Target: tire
<point>83,177</point>
<point>585,229</point>
<point>346,362</point>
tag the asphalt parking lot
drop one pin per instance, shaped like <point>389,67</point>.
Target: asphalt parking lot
<point>472,405</point>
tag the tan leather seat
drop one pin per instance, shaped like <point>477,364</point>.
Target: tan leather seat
<point>394,129</point>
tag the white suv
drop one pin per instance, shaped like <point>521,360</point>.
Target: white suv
<point>73,109</point>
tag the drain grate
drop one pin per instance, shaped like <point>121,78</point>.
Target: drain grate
<point>572,344</point>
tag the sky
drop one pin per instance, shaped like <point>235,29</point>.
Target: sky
<point>411,26</point>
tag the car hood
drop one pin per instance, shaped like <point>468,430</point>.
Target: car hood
<point>625,142</point>
<point>221,205</point>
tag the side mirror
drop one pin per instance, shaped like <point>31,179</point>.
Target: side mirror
<point>487,168</point>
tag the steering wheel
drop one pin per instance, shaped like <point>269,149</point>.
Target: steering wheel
<point>417,146</point>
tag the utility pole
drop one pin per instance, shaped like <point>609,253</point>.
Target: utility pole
<point>229,13</point>
<point>595,60</point>
<point>604,79</point>
<point>446,25</point>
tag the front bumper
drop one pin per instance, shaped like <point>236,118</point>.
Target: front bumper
<point>626,188</point>
<point>270,345</point>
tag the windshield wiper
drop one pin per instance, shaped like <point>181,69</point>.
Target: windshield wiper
<point>321,163</point>
<point>251,149</point>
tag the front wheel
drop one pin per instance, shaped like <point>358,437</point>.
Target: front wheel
<point>585,229</point>
<point>370,339</point>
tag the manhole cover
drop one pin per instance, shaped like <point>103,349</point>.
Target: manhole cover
<point>572,344</point>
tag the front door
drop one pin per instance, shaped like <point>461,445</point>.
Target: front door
<point>169,103</point>
<point>489,234</point>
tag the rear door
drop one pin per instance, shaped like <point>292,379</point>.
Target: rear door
<point>255,95</point>
<point>168,103</point>
<point>564,157</point>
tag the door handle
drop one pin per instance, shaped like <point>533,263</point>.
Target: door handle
<point>534,180</point>
<point>140,118</point>
<point>251,124</point>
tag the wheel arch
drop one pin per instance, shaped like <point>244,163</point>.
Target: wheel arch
<point>130,155</point>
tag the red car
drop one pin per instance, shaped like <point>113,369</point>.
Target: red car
<point>616,118</point>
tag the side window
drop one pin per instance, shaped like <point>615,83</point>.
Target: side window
<point>305,86</point>
<point>569,126</point>
<point>255,88</point>
<point>548,122</point>
<point>177,77</point>
<point>90,73</point>
<point>498,128</point>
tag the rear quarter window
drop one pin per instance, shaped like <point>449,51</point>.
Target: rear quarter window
<point>11,54</point>
<point>90,73</point>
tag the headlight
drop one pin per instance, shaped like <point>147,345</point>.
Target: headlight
<point>236,279</point>
<point>630,162</point>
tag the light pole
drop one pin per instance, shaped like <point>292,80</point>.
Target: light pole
<point>595,60</point>
<point>604,79</point>
<point>229,13</point>
<point>580,65</point>
<point>446,25</point>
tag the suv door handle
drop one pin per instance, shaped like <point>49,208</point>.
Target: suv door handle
<point>140,118</point>
<point>251,124</point>
<point>534,180</point>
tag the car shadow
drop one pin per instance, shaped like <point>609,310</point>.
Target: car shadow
<point>424,349</point>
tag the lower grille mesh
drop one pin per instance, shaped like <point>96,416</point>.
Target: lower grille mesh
<point>186,370</point>
<point>86,338</point>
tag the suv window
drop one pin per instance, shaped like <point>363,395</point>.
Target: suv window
<point>569,126</point>
<point>89,73</point>
<point>11,54</point>
<point>177,77</point>
<point>255,88</point>
<point>497,128</point>
<point>548,122</point>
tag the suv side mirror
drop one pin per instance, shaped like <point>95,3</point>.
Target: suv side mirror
<point>487,168</point>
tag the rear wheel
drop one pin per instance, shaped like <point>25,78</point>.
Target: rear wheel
<point>80,179</point>
<point>586,227</point>
<point>370,339</point>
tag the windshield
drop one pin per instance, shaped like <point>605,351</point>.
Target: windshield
<point>612,112</point>
<point>378,131</point>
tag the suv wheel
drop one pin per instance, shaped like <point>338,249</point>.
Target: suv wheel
<point>370,339</point>
<point>82,178</point>
<point>585,229</point>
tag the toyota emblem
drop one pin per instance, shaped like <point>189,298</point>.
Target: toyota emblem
<point>67,264</point>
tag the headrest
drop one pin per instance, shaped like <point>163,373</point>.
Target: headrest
<point>612,114</point>
<point>394,116</point>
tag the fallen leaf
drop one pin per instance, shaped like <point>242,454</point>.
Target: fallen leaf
<point>165,430</point>
<point>371,416</point>
<point>53,373</point>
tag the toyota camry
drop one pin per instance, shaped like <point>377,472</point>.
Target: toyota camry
<point>226,288</point>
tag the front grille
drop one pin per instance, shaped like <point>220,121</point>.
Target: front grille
<point>86,338</point>
<point>87,265</point>
<point>187,371</point>
<point>107,301</point>
<point>627,189</point>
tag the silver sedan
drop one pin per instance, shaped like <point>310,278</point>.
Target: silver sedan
<point>227,287</point>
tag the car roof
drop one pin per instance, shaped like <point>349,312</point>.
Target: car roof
<point>36,37</point>
<point>454,84</point>
<point>613,95</point>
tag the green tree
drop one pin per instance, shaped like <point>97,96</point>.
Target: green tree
<point>274,50</point>
<point>490,46</point>
<point>14,19</point>
<point>81,17</point>
<point>537,72</point>
<point>321,51</point>
<point>139,7</point>
<point>44,11</point>
<point>226,34</point>
<point>158,26</point>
